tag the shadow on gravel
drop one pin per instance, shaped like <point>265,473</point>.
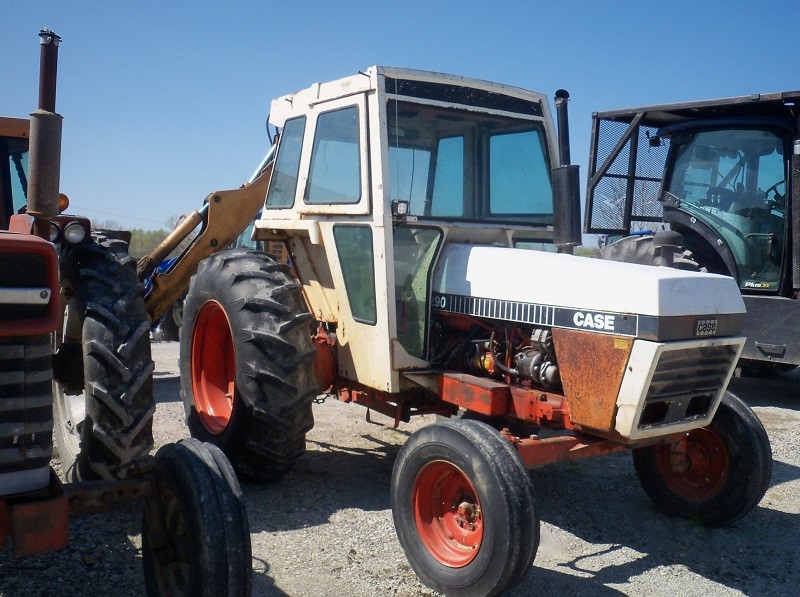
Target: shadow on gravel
<point>263,583</point>
<point>783,472</point>
<point>327,479</point>
<point>111,565</point>
<point>167,387</point>
<point>540,581</point>
<point>601,502</point>
<point>782,390</point>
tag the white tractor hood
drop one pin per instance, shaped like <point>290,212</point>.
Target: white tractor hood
<point>582,283</point>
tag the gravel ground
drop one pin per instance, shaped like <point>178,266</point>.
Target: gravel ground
<point>326,529</point>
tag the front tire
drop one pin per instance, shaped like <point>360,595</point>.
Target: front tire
<point>103,386</point>
<point>464,509</point>
<point>723,474</point>
<point>201,543</point>
<point>246,361</point>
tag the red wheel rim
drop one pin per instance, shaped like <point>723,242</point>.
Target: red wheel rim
<point>213,367</point>
<point>700,473</point>
<point>447,513</point>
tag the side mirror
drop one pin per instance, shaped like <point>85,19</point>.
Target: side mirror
<point>566,208</point>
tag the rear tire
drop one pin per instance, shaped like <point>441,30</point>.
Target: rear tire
<point>464,509</point>
<point>103,386</point>
<point>205,549</point>
<point>246,361</point>
<point>641,250</point>
<point>726,472</point>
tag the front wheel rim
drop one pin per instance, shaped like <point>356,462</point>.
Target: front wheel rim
<point>213,367</point>
<point>702,473</point>
<point>447,514</point>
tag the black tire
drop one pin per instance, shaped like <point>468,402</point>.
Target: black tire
<point>728,471</point>
<point>103,386</point>
<point>246,327</point>
<point>641,250</point>
<point>204,548</point>
<point>26,413</point>
<point>447,473</point>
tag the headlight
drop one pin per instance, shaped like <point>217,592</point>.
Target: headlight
<point>55,232</point>
<point>74,233</point>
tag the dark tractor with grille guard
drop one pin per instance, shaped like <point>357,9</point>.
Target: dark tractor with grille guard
<point>409,203</point>
<point>75,352</point>
<point>724,174</point>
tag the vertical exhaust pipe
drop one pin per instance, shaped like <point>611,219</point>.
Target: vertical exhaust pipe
<point>45,140</point>
<point>561,99</point>
<point>567,197</point>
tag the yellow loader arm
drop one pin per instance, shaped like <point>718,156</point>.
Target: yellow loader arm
<point>225,215</point>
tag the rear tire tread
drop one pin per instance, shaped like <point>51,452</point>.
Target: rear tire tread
<point>117,366</point>
<point>274,381</point>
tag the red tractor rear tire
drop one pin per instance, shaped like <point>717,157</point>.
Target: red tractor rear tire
<point>246,361</point>
<point>464,509</point>
<point>726,472</point>
<point>103,371</point>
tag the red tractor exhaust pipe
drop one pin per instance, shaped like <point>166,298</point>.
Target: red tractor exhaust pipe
<point>45,140</point>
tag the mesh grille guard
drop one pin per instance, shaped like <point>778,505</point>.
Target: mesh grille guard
<point>685,384</point>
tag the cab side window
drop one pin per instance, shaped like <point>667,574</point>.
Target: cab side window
<point>335,175</point>
<point>354,249</point>
<point>283,185</point>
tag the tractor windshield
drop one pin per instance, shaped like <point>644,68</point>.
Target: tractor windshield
<point>14,154</point>
<point>457,164</point>
<point>733,180</point>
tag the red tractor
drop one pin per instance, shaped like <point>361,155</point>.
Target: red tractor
<point>75,355</point>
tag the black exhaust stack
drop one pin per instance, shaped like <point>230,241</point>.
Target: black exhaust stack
<point>566,183</point>
<point>562,119</point>
<point>45,140</point>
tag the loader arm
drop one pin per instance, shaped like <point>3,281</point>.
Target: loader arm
<point>227,214</point>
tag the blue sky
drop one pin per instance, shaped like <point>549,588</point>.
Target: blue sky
<point>165,102</point>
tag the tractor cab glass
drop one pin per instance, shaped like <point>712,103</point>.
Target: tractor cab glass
<point>13,174</point>
<point>733,180</point>
<point>460,165</point>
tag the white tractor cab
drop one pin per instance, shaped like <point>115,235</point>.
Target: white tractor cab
<point>376,173</point>
<point>410,203</point>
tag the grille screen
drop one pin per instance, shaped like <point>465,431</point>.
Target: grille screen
<point>23,270</point>
<point>685,383</point>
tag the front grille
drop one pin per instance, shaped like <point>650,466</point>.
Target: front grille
<point>26,403</point>
<point>685,384</point>
<point>23,270</point>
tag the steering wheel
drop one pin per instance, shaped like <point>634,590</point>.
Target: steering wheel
<point>774,189</point>
<point>720,197</point>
